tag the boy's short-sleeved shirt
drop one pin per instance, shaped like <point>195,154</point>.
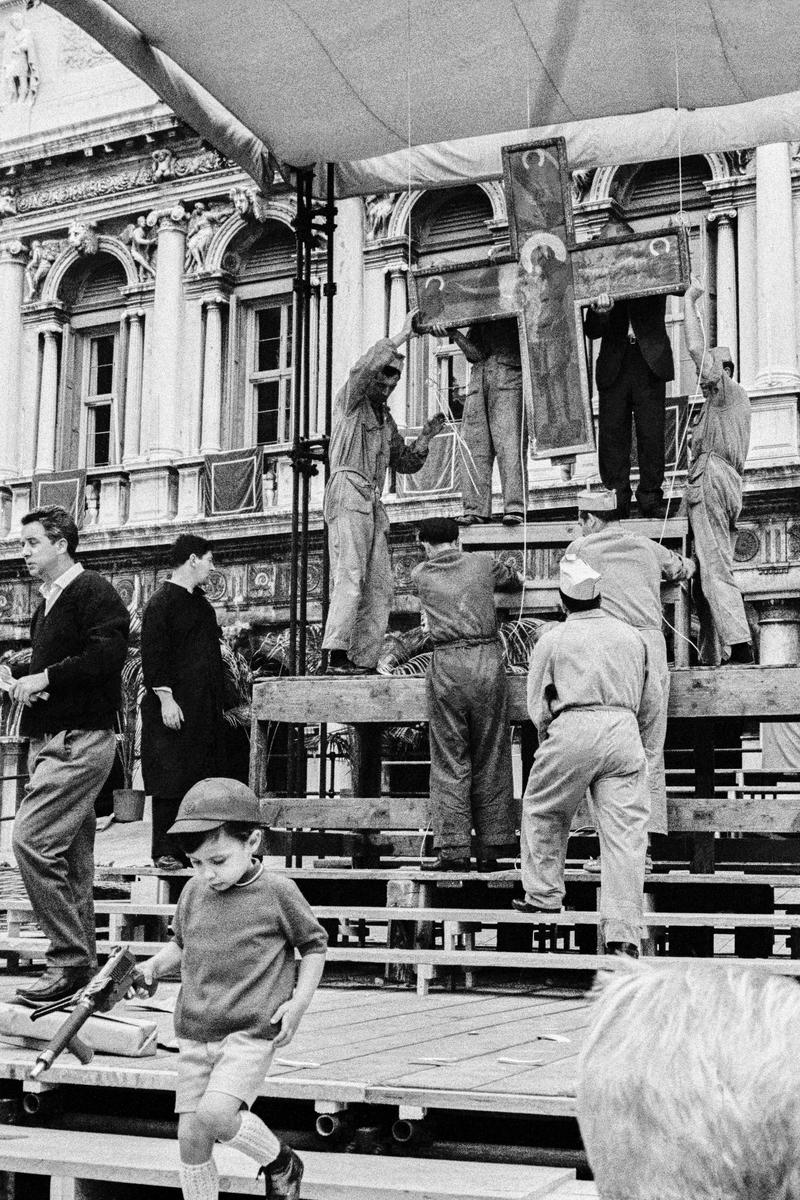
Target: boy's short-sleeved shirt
<point>238,963</point>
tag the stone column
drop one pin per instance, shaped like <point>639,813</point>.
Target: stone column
<point>13,256</point>
<point>133,386</point>
<point>398,310</point>
<point>777,347</point>
<point>161,423</point>
<point>779,627</point>
<point>747,367</point>
<point>211,421</point>
<point>727,323</point>
<point>48,402</point>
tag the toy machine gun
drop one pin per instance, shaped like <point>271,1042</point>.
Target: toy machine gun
<point>111,983</point>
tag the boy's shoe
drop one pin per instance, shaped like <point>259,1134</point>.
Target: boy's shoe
<point>282,1178</point>
<point>447,864</point>
<point>524,906</point>
<point>592,865</point>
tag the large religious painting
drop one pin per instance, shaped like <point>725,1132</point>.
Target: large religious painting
<point>544,283</point>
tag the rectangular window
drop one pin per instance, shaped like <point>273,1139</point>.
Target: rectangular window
<point>99,398</point>
<point>270,372</point>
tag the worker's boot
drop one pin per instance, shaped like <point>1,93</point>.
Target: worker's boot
<point>626,949</point>
<point>57,983</point>
<point>447,864</point>
<point>282,1178</point>
<point>340,664</point>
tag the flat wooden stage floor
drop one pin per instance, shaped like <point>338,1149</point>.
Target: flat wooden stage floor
<point>504,1053</point>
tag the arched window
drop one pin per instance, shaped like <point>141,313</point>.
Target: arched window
<point>259,400</point>
<point>452,225</point>
<point>89,422</point>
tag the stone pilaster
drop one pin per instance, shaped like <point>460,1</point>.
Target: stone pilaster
<point>48,400</point>
<point>748,295</point>
<point>398,310</point>
<point>133,386</point>
<point>211,431</point>
<point>777,348</point>
<point>13,256</point>
<point>727,318</point>
<point>162,408</point>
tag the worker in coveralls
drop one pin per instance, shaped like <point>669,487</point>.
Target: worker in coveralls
<point>493,423</point>
<point>590,691</point>
<point>632,568</point>
<point>719,443</point>
<point>365,443</point>
<point>471,778</point>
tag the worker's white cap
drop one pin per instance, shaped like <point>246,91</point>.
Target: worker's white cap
<point>601,500</point>
<point>577,579</point>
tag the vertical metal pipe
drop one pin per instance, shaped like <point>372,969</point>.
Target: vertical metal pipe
<point>305,478</point>
<point>295,738</point>
<point>329,291</point>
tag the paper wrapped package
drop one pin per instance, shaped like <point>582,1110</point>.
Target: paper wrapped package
<point>121,1036</point>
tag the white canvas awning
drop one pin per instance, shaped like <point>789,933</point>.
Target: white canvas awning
<point>355,81</point>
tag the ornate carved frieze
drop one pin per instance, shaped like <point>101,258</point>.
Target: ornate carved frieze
<point>101,183</point>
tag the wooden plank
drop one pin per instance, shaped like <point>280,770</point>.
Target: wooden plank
<point>561,533</point>
<point>687,814</point>
<point>118,1158</point>
<point>481,917</point>
<point>769,693</point>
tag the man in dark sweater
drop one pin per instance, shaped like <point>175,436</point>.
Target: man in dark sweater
<point>71,695</point>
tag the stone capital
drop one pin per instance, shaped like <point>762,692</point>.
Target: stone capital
<point>13,251</point>
<point>722,215</point>
<point>133,314</point>
<point>165,219</point>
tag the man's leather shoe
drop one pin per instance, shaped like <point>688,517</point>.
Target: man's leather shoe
<point>523,906</point>
<point>625,948</point>
<point>57,983</point>
<point>447,864</point>
<point>340,664</point>
<point>488,864</point>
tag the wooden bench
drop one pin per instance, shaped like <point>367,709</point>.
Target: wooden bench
<point>78,1162</point>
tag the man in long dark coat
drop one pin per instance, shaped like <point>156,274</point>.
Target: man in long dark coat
<point>182,724</point>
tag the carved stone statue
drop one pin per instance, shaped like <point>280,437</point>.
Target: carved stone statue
<point>142,245</point>
<point>8,202</point>
<point>581,182</point>
<point>163,163</point>
<point>43,255</point>
<point>249,202</point>
<point>200,233</point>
<point>82,236</point>
<point>378,209</point>
<point>20,63</point>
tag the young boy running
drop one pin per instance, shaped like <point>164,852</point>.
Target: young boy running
<point>235,932</point>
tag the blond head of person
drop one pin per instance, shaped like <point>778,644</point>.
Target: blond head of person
<point>689,1085</point>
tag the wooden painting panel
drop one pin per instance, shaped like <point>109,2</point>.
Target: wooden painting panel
<point>627,267</point>
<point>462,294</point>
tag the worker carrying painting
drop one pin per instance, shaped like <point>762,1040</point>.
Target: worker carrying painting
<point>633,367</point>
<point>492,425</point>
<point>632,568</point>
<point>591,693</point>
<point>365,443</point>
<point>470,742</point>
<point>719,443</point>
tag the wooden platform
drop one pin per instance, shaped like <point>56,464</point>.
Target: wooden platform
<point>499,1053</point>
<point>771,692</point>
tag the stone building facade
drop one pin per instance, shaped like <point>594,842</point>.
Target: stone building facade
<point>146,333</point>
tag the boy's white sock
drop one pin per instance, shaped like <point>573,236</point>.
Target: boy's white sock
<point>200,1181</point>
<point>256,1140</point>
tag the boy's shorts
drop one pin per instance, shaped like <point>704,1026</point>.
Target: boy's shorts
<point>236,1066</point>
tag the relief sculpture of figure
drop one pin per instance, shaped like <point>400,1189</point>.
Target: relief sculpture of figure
<point>43,255</point>
<point>141,244</point>
<point>21,63</point>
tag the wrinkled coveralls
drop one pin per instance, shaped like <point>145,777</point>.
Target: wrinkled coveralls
<point>720,441</point>
<point>631,569</point>
<point>492,421</point>
<point>590,691</point>
<point>363,447</point>
<point>470,740</point>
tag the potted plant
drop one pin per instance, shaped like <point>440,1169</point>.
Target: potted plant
<point>128,800</point>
